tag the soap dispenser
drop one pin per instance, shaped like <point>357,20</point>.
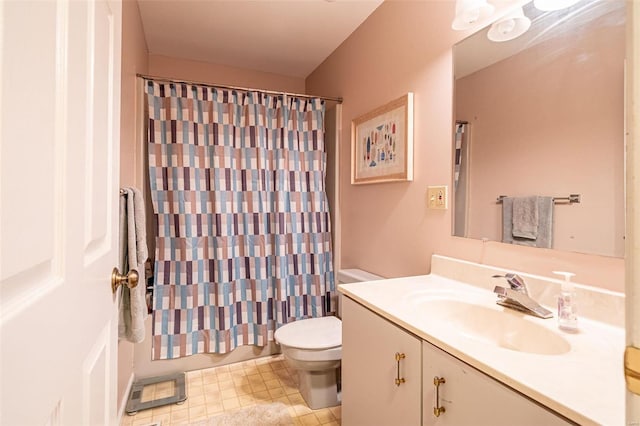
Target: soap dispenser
<point>567,304</point>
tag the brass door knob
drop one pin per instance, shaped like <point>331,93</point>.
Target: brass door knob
<point>117,279</point>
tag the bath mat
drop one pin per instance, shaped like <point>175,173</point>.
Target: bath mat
<point>275,414</point>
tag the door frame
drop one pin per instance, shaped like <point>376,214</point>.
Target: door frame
<point>632,242</point>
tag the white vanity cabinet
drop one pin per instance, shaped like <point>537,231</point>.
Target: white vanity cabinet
<point>470,397</point>
<point>371,394</point>
<point>500,367</point>
<point>388,379</point>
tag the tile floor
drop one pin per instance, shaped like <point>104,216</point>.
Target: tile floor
<point>231,387</point>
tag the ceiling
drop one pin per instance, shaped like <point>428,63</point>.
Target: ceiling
<point>287,37</point>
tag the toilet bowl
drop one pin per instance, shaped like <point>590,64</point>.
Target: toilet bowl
<point>313,347</point>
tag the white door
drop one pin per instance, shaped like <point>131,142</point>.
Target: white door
<point>59,129</point>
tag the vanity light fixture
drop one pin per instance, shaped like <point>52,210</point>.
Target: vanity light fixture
<point>510,26</point>
<point>470,12</point>
<point>548,5</point>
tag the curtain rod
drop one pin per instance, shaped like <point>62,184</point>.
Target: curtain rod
<point>243,89</point>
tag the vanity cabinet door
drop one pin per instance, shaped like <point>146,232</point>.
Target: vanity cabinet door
<point>470,397</point>
<point>370,395</point>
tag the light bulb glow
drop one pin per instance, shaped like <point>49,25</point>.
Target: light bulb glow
<point>471,16</point>
<point>470,13</point>
<point>509,27</point>
<point>506,26</point>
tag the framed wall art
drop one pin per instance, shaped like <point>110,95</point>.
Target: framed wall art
<point>382,143</point>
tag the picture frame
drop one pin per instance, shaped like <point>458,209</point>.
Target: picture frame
<point>382,143</point>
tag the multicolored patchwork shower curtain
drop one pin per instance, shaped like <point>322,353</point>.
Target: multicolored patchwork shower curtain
<point>243,239</point>
<point>461,130</point>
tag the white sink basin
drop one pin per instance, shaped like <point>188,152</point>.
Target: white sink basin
<point>500,327</point>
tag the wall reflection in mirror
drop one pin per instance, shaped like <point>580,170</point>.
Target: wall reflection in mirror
<point>543,115</point>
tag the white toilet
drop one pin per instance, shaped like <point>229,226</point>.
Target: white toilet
<point>314,348</point>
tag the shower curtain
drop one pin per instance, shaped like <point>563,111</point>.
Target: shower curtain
<point>461,129</point>
<point>243,240</point>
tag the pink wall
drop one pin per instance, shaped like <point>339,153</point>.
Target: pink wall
<point>177,68</point>
<point>386,228</point>
<point>134,60</point>
<point>551,132</point>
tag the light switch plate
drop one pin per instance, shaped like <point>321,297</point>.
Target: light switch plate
<point>437,197</point>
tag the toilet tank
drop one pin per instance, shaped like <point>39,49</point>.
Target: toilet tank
<point>346,276</point>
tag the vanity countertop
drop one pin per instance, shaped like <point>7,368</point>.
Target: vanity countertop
<point>585,383</point>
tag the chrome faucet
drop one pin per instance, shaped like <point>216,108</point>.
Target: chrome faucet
<point>517,297</point>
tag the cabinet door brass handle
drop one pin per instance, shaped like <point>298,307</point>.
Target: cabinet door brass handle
<point>437,409</point>
<point>399,357</point>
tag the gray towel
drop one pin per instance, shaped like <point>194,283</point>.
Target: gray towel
<point>544,236</point>
<point>133,255</point>
<point>525,217</point>
<point>507,220</point>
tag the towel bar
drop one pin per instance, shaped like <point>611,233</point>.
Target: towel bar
<point>571,199</point>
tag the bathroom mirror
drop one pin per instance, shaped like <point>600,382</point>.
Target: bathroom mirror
<point>543,114</point>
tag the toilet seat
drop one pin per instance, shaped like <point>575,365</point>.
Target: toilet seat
<point>313,333</point>
<point>318,357</point>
